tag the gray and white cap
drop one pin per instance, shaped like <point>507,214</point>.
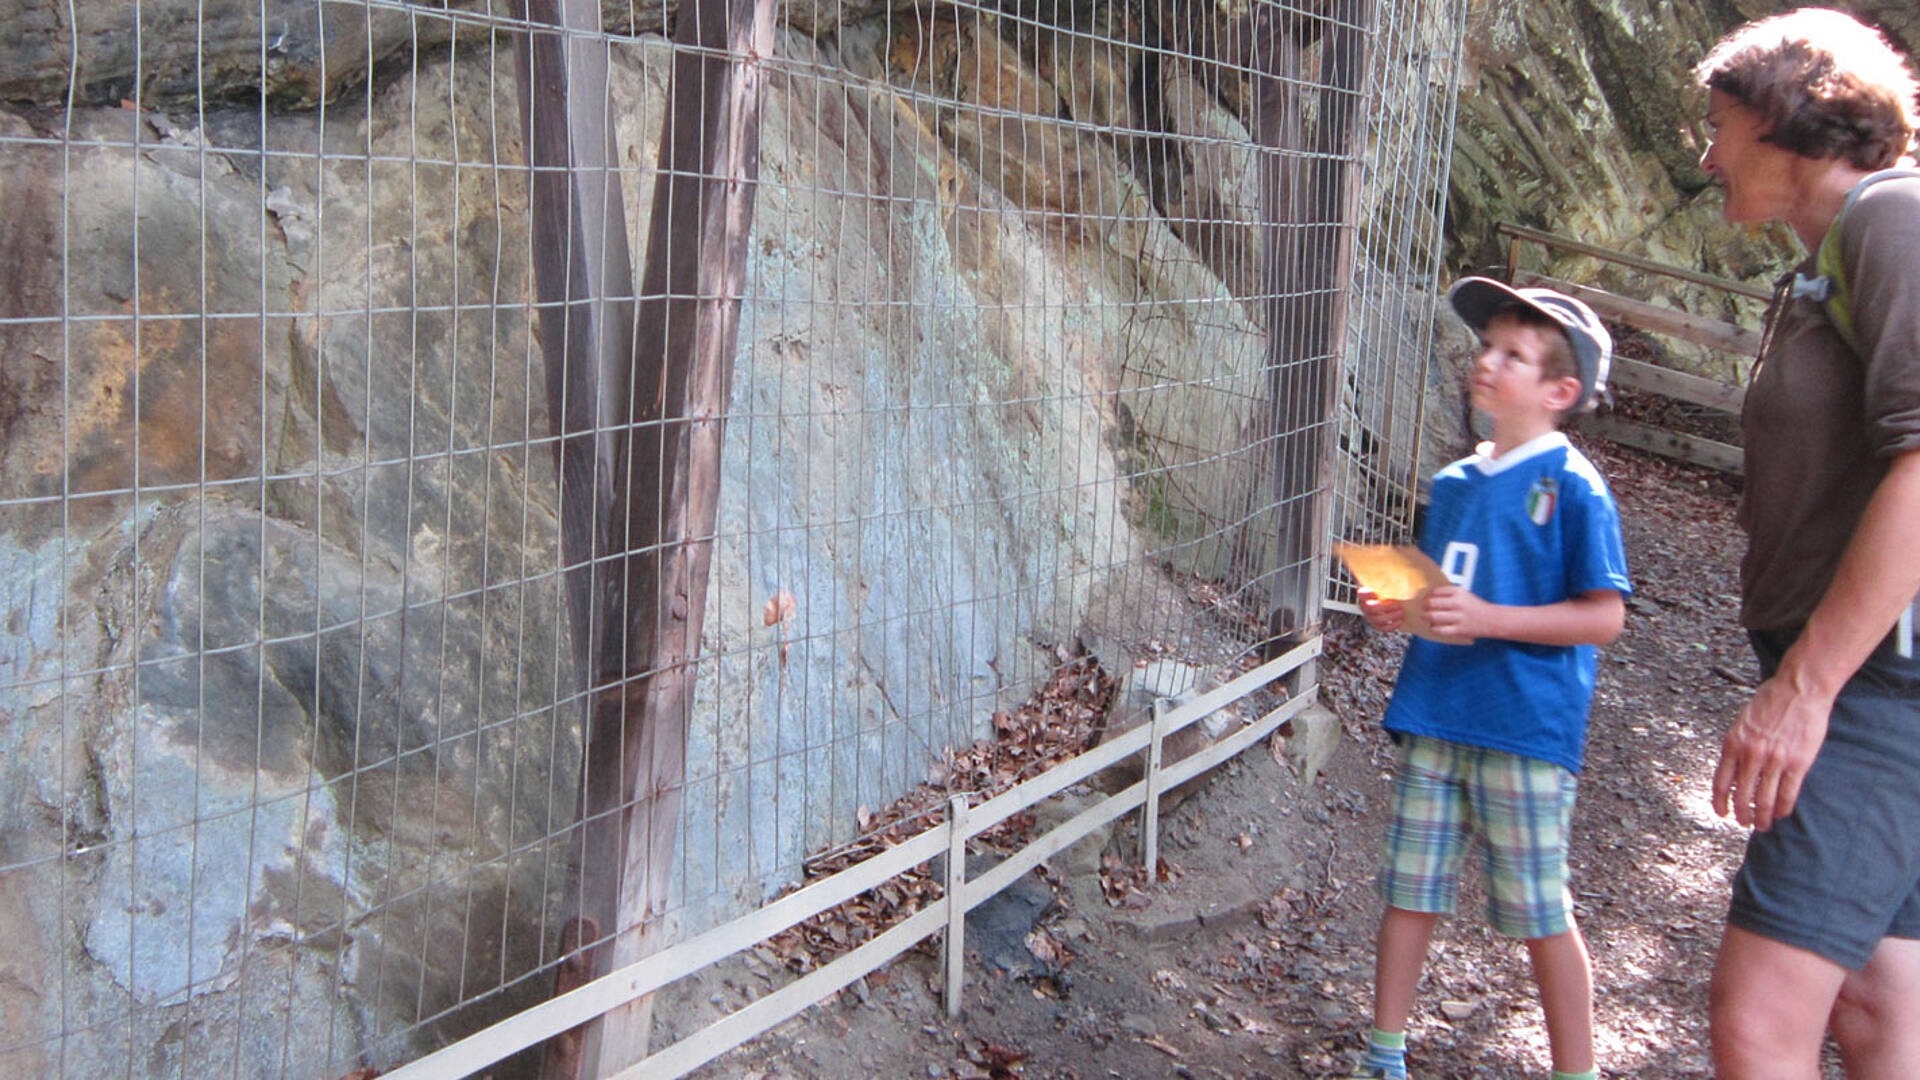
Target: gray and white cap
<point>1475,299</point>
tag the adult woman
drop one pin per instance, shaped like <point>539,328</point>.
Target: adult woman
<point>1824,762</point>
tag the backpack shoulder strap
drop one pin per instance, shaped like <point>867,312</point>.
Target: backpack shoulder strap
<point>1838,294</point>
<point>1838,300</point>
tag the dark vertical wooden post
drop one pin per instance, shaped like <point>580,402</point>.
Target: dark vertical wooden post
<point>583,285</point>
<point>688,328</point>
<point>1310,212</point>
<point>637,399</point>
<point>1279,129</point>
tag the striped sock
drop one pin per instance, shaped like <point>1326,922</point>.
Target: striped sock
<point>1590,1074</point>
<point>1387,1051</point>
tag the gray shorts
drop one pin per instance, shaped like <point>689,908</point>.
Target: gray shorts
<point>1843,870</point>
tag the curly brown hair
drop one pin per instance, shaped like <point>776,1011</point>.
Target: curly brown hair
<point>1825,86</point>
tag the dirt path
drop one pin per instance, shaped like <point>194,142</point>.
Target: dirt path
<point>1254,960</point>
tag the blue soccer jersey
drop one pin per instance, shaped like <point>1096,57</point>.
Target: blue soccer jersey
<point>1535,526</point>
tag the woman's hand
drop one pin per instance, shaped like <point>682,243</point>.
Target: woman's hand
<point>1383,615</point>
<point>1457,613</point>
<point>1773,741</point>
<point>1767,752</point>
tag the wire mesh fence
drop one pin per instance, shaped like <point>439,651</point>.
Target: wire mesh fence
<point>335,408</point>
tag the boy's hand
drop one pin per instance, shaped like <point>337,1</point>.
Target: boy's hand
<point>1382,615</point>
<point>1455,612</point>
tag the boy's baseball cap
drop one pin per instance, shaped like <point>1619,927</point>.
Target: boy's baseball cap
<point>1475,299</point>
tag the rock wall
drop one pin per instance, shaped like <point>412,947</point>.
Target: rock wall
<point>1580,117</point>
<point>287,738</point>
<point>286,733</point>
<point>281,723</point>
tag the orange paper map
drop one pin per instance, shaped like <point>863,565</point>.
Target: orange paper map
<point>1398,572</point>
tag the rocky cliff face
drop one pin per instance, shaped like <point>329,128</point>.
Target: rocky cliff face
<point>1580,117</point>
<point>286,731</point>
<point>287,739</point>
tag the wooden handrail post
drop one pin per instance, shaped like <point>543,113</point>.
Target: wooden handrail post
<point>956,941</point>
<point>1150,810</point>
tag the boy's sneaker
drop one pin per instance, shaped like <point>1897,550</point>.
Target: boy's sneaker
<point>1373,1072</point>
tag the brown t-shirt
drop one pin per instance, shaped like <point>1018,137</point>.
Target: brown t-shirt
<point>1822,421</point>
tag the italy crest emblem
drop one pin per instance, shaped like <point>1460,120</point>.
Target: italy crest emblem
<point>1542,499</point>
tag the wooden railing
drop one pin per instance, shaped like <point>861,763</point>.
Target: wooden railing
<point>944,916</point>
<point>1713,334</point>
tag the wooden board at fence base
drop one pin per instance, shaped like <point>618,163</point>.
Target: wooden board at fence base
<point>1684,325</point>
<point>1714,455</point>
<point>1678,385</point>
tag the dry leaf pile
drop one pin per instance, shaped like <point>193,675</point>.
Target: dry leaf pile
<point>1125,885</point>
<point>1359,667</point>
<point>1001,1062</point>
<point>1060,721</point>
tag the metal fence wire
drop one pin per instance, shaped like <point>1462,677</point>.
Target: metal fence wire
<point>486,491</point>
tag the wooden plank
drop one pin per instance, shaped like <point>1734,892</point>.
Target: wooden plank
<point>723,1035</point>
<point>582,280</point>
<point>1715,455</point>
<point>1240,687</point>
<point>1678,385</point>
<point>566,1011</point>
<point>686,328</point>
<point>1578,247</point>
<point>1063,836</point>
<point>1055,840</point>
<point>1196,763</point>
<point>1018,798</point>
<point>1712,333</point>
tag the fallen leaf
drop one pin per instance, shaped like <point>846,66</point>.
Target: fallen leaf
<point>1001,1056</point>
<point>780,608</point>
<point>1163,1046</point>
<point>1252,1026</point>
<point>1044,948</point>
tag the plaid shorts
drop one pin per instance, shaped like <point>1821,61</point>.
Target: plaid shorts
<point>1445,794</point>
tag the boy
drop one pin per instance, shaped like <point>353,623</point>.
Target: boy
<point>1491,733</point>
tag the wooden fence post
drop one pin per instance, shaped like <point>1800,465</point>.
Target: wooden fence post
<point>956,941</point>
<point>638,400</point>
<point>1310,208</point>
<point>1150,810</point>
<point>687,330</point>
<point>582,281</point>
